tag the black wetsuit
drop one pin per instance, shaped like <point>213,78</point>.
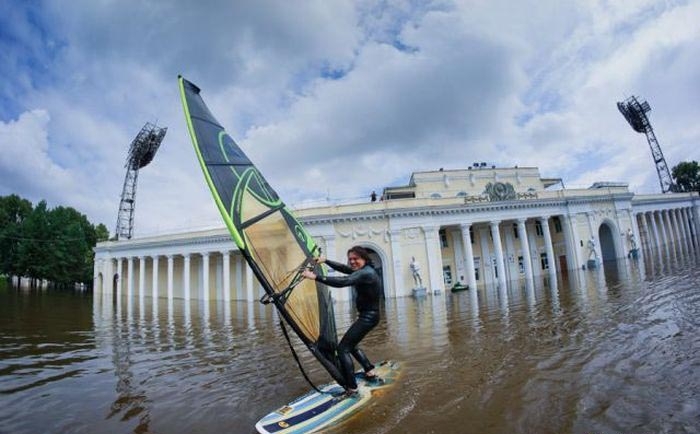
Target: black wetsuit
<point>367,285</point>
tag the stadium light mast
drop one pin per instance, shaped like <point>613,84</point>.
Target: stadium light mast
<point>141,152</point>
<point>635,113</point>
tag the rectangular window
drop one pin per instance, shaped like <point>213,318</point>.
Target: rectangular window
<point>544,261</point>
<point>443,238</point>
<point>521,264</point>
<point>557,224</point>
<point>515,230</point>
<point>447,275</point>
<point>471,234</point>
<point>538,228</point>
<point>477,265</point>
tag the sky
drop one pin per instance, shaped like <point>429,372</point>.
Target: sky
<point>333,99</point>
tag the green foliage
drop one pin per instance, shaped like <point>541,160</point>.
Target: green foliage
<point>53,244</point>
<point>686,175</point>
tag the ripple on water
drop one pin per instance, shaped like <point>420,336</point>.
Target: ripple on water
<point>587,353</point>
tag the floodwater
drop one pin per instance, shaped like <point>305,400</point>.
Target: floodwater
<point>613,350</point>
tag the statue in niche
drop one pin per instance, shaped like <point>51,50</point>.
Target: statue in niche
<point>415,270</point>
<point>498,191</point>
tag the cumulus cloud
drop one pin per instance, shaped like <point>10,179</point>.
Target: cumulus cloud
<point>338,99</point>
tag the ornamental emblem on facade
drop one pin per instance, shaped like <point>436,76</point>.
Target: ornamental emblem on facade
<point>500,191</point>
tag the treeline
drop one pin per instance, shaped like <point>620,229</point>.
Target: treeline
<point>47,244</point>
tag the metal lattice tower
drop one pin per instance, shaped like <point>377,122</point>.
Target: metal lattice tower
<point>635,113</point>
<point>141,152</point>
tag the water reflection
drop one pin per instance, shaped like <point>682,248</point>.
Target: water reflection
<point>604,350</point>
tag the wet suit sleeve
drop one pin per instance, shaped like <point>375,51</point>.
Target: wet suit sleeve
<point>339,282</point>
<point>337,266</point>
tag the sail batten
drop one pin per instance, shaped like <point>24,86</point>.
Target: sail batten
<point>270,238</point>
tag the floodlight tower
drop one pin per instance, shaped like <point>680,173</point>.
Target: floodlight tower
<point>635,113</point>
<point>141,152</point>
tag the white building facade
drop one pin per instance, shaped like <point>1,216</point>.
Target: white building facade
<point>477,227</point>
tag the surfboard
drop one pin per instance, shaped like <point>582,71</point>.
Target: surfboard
<point>315,411</point>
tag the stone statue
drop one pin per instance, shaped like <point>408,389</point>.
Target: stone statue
<point>631,239</point>
<point>591,248</point>
<point>415,269</point>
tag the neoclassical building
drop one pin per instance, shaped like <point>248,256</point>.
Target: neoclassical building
<point>482,226</point>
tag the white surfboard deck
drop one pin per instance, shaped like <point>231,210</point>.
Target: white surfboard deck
<point>314,411</point>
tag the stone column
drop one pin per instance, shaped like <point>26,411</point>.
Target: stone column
<point>686,228</point>
<point>249,281</point>
<point>239,276</point>
<point>130,279</point>
<point>572,248</point>
<point>396,253</point>
<point>226,257</point>
<point>663,218</point>
<point>654,227</point>
<point>645,227</point>
<point>676,231</point>
<point>170,278</point>
<point>468,255</point>
<point>496,235</point>
<point>548,245</point>
<point>120,275</point>
<point>694,222</point>
<point>142,276</point>
<point>525,249</point>
<point>155,277</point>
<point>432,244</point>
<point>186,275</point>
<point>205,276</point>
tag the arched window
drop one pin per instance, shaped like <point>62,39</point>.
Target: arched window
<point>462,194</point>
<point>435,196</point>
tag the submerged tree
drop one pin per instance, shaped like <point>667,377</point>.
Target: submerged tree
<point>13,211</point>
<point>50,244</point>
<point>686,175</point>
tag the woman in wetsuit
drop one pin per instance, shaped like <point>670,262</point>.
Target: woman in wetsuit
<point>364,278</point>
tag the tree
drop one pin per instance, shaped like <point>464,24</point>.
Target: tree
<point>41,243</point>
<point>13,211</point>
<point>686,175</point>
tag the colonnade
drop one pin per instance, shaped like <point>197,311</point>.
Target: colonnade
<point>509,246</point>
<point>501,248</point>
<point>201,275</point>
<point>669,230</point>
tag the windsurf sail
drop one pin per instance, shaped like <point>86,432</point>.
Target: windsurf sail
<point>271,239</point>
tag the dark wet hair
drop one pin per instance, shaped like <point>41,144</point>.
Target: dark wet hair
<point>362,253</point>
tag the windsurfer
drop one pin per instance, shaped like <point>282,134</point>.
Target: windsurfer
<point>362,275</point>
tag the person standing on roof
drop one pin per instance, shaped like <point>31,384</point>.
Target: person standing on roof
<point>362,275</point>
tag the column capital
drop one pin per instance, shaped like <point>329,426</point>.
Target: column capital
<point>521,220</point>
<point>495,223</point>
<point>204,254</point>
<point>466,226</point>
<point>225,252</point>
<point>429,228</point>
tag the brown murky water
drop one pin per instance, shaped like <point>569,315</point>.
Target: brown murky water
<point>615,350</point>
